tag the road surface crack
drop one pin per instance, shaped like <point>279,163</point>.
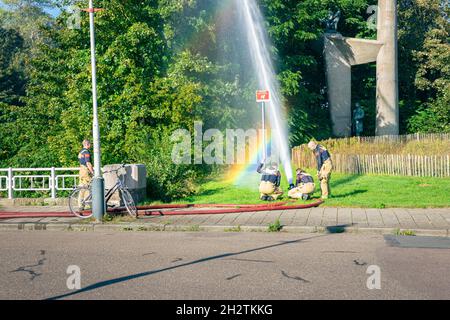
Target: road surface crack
<point>294,278</point>
<point>29,269</point>
<point>359,263</point>
<point>235,276</point>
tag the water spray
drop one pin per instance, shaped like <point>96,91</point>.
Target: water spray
<point>257,41</point>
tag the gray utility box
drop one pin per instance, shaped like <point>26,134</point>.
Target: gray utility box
<point>134,178</point>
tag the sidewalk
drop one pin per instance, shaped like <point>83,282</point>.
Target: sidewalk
<point>381,221</point>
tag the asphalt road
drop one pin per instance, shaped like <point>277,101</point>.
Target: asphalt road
<point>127,265</point>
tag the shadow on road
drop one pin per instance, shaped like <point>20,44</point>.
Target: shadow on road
<point>148,273</point>
<point>338,228</point>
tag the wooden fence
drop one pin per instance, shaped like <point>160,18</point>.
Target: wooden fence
<point>400,138</point>
<point>382,164</point>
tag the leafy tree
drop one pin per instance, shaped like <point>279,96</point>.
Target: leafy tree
<point>11,73</point>
<point>296,29</point>
<point>26,17</point>
<point>163,64</point>
<point>432,69</point>
<point>12,83</point>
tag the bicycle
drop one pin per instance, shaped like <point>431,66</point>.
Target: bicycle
<point>80,200</point>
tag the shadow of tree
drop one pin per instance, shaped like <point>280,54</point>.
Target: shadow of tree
<point>344,180</point>
<point>348,194</point>
<point>202,193</point>
<point>210,192</point>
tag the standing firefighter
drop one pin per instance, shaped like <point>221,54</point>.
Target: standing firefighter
<point>324,167</point>
<point>269,187</point>
<point>304,186</point>
<point>86,170</point>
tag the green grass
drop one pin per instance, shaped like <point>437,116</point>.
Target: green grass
<point>275,227</point>
<point>399,232</point>
<point>368,191</point>
<point>234,229</point>
<point>371,191</point>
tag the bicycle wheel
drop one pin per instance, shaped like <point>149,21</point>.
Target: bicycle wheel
<point>129,203</point>
<point>80,202</point>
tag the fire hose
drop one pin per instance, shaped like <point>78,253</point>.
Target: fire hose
<point>169,209</point>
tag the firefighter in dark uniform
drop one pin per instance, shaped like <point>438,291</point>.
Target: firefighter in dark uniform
<point>86,169</point>
<point>304,186</point>
<point>324,167</point>
<point>269,187</point>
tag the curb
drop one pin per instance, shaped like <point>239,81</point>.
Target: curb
<point>150,227</point>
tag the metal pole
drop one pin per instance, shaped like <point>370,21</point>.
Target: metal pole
<point>264,130</point>
<point>98,199</point>
<point>53,182</point>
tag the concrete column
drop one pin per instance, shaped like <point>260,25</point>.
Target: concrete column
<point>339,74</point>
<point>387,70</point>
<point>340,54</point>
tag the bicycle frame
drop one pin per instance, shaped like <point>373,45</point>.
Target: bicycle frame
<point>118,186</point>
<point>111,192</point>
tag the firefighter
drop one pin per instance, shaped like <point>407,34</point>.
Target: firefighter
<point>86,171</point>
<point>269,186</point>
<point>304,187</point>
<point>324,167</point>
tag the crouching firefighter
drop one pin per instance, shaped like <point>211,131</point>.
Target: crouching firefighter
<point>269,188</point>
<point>304,187</point>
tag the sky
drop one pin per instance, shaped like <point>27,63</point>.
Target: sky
<point>52,11</point>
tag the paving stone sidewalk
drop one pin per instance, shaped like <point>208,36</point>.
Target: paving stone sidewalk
<point>427,221</point>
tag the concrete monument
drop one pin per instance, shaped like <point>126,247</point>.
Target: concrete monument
<point>342,53</point>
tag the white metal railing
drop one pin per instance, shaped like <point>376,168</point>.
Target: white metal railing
<point>38,179</point>
<point>3,183</point>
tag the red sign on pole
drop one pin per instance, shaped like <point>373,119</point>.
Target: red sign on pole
<point>262,96</point>
<point>92,10</point>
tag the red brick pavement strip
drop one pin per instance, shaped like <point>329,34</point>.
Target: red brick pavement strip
<point>43,209</point>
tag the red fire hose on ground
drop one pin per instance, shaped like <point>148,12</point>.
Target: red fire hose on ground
<point>168,209</point>
<point>151,211</point>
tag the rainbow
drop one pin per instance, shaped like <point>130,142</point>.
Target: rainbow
<point>223,13</point>
<point>240,174</point>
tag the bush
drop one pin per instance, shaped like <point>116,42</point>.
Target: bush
<point>432,117</point>
<point>166,180</point>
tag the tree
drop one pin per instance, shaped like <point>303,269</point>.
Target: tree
<point>12,83</point>
<point>149,83</point>
<point>430,76</point>
<point>163,64</point>
<point>296,30</point>
<point>26,17</point>
<point>11,73</point>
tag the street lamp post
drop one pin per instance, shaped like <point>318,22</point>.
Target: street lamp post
<point>263,111</point>
<point>263,96</point>
<point>98,191</point>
